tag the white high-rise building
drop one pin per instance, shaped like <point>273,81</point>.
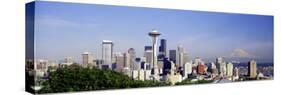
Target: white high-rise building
<point>229,69</point>
<point>187,69</point>
<point>186,57</point>
<point>223,69</point>
<point>180,51</point>
<point>181,56</point>
<point>107,50</point>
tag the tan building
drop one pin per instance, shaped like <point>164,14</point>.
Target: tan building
<point>252,68</point>
<point>148,57</point>
<point>229,71</point>
<point>127,60</point>
<point>119,62</point>
<point>87,59</point>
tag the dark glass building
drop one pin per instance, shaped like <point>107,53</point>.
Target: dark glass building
<point>146,48</point>
<point>173,55</point>
<point>162,49</point>
<point>167,66</point>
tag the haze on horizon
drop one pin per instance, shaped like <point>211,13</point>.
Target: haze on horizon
<point>69,29</point>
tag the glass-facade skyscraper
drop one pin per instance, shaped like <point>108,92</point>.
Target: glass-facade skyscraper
<point>173,55</point>
<point>107,50</point>
<point>162,49</point>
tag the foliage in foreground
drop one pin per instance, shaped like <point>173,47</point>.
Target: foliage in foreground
<point>76,78</point>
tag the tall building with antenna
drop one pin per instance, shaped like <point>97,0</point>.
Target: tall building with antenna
<point>154,34</point>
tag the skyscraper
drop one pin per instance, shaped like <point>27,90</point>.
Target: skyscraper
<point>229,71</point>
<point>87,59</point>
<point>120,62</point>
<point>223,69</point>
<point>163,46</point>
<point>186,57</point>
<point>167,65</point>
<point>107,50</point>
<point>252,68</point>
<point>187,69</point>
<point>132,54</point>
<point>154,34</point>
<point>127,70</point>
<point>219,64</point>
<point>148,57</point>
<point>127,60</point>
<point>180,56</point>
<point>162,49</point>
<point>173,55</point>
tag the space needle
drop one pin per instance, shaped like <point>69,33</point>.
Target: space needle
<point>155,72</point>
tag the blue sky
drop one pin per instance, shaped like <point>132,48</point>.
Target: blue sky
<point>67,29</point>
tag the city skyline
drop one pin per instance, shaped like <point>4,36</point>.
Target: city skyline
<point>81,47</point>
<point>203,34</point>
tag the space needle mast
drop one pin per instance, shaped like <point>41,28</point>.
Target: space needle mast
<point>155,72</point>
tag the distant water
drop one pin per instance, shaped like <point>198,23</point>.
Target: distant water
<point>258,64</point>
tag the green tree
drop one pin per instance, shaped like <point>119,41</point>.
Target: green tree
<point>75,78</point>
